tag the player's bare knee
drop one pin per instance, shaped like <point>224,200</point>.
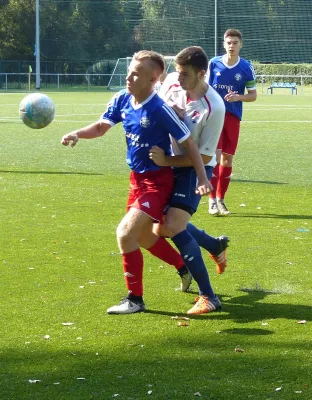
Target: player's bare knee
<point>161,230</point>
<point>123,233</point>
<point>172,228</point>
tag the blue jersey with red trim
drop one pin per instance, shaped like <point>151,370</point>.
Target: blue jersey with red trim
<point>146,124</point>
<point>238,77</point>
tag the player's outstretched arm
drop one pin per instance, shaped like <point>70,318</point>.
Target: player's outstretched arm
<point>92,131</point>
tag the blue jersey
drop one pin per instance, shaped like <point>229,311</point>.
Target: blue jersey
<point>223,77</point>
<point>147,124</point>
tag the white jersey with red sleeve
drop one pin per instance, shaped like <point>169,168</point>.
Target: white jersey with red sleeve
<point>203,117</point>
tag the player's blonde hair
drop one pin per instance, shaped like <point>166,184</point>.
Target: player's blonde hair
<point>156,60</point>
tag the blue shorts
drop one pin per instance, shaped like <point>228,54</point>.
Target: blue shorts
<point>185,182</point>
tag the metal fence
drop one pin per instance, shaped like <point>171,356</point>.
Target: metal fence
<point>95,82</point>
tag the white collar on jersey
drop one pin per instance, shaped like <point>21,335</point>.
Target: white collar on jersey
<point>137,106</point>
<point>227,65</point>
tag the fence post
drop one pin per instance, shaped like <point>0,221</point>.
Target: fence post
<point>58,81</point>
<point>6,81</point>
<point>262,83</point>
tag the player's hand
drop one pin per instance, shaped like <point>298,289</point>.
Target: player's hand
<point>178,110</point>
<point>204,188</point>
<point>70,138</point>
<point>232,97</point>
<point>158,156</point>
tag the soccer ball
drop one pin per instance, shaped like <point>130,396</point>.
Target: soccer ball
<point>37,110</point>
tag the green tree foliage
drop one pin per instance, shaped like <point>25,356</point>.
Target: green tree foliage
<point>169,26</point>
<point>84,30</point>
<point>17,29</point>
<point>95,30</point>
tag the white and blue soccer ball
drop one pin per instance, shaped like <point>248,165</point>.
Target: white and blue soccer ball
<point>37,110</point>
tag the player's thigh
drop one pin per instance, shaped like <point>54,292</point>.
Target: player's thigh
<point>148,238</point>
<point>134,224</point>
<point>176,221</point>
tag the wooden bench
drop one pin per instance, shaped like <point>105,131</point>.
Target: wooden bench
<point>282,85</point>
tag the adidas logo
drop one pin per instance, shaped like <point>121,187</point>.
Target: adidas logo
<point>146,204</point>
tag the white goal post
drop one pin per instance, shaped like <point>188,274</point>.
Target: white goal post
<point>117,79</point>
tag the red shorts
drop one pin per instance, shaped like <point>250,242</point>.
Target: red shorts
<point>229,136</point>
<point>151,191</point>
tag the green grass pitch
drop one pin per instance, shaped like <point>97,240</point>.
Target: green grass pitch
<point>59,264</point>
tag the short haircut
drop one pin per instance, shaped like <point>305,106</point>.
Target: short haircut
<point>233,32</point>
<point>193,56</point>
<point>156,60</point>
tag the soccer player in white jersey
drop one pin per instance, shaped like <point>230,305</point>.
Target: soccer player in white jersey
<point>231,76</point>
<point>147,121</point>
<point>162,78</point>
<point>202,109</point>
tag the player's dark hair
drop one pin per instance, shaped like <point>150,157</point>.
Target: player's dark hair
<point>233,32</point>
<point>193,56</point>
<point>156,59</point>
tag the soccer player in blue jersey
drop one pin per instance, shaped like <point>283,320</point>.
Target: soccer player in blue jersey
<point>147,121</point>
<point>230,75</point>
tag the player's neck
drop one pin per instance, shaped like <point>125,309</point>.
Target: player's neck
<point>231,59</point>
<point>198,92</point>
<point>138,98</point>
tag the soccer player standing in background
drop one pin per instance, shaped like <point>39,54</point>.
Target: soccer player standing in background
<point>230,75</point>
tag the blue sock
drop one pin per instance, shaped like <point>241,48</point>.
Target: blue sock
<point>193,259</point>
<point>205,241</point>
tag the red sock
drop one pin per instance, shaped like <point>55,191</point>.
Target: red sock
<point>214,181</point>
<point>133,270</point>
<point>224,181</point>
<point>165,252</point>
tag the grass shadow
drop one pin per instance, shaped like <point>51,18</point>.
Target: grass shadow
<point>261,182</point>
<point>49,172</point>
<point>278,216</point>
<point>250,308</point>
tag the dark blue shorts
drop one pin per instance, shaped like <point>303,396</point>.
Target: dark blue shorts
<point>185,182</point>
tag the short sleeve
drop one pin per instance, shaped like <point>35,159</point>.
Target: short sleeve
<point>112,115</point>
<point>209,79</point>
<point>251,78</point>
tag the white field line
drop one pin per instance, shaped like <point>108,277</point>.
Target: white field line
<point>288,109</point>
<point>276,122</point>
<point>14,119</point>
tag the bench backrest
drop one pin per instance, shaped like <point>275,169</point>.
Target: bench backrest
<point>283,85</point>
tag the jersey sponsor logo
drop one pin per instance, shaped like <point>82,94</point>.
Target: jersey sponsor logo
<point>145,122</point>
<point>238,77</point>
<point>226,87</point>
<point>195,117</point>
<point>136,140</point>
<point>146,204</point>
